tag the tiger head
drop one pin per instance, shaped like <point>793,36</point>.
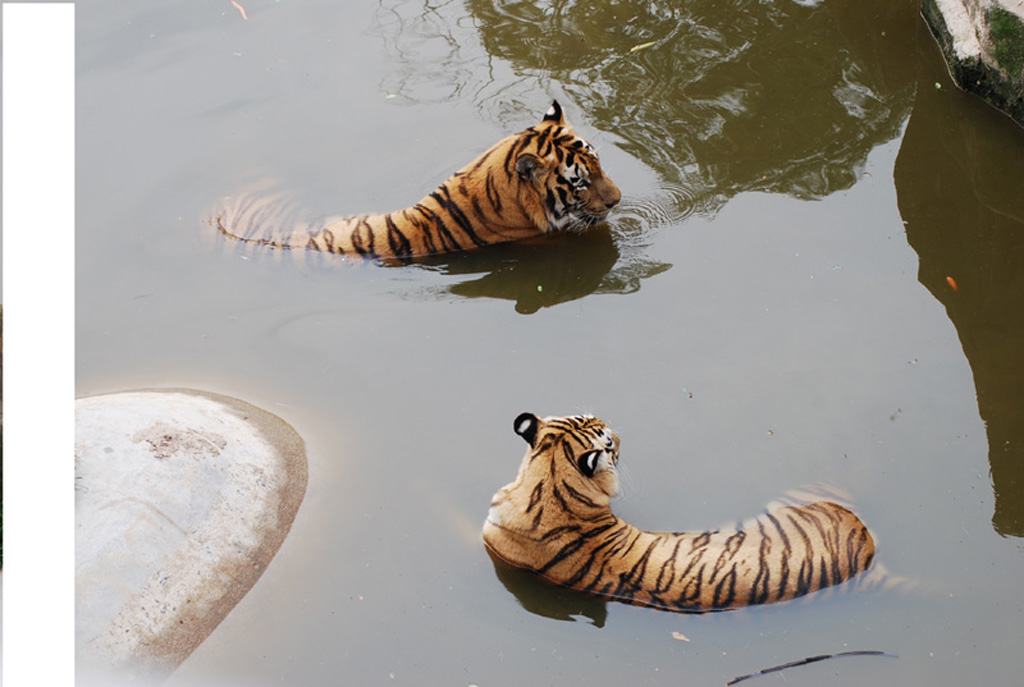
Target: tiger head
<point>569,472</point>
<point>558,178</point>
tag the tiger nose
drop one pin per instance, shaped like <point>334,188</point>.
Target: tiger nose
<point>614,196</point>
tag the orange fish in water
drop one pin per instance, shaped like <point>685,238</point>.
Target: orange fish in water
<point>952,283</point>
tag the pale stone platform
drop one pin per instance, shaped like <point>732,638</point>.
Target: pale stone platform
<point>182,500</point>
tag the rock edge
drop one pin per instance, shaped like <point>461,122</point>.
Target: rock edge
<point>183,498</point>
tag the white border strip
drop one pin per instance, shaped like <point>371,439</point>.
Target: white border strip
<point>38,343</point>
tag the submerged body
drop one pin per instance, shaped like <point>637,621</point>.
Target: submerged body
<point>555,519</point>
<point>542,180</point>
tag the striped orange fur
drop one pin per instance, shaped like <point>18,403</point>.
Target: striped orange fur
<point>542,180</point>
<point>556,520</point>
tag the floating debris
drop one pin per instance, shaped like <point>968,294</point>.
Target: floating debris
<point>805,661</point>
<point>642,46</point>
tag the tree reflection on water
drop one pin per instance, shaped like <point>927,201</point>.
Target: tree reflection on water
<point>719,99</point>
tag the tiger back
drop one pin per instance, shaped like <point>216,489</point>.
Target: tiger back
<point>545,179</point>
<point>556,520</point>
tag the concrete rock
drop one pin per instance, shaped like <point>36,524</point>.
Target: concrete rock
<point>182,500</point>
<point>983,43</point>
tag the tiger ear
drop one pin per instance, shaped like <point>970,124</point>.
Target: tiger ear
<point>526,427</point>
<point>554,114</point>
<point>527,166</point>
<point>588,463</point>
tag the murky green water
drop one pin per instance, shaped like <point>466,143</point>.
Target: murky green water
<point>769,309</point>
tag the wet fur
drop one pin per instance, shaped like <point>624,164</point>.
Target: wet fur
<point>556,520</point>
<point>542,180</point>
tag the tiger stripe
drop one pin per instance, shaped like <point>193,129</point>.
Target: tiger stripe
<point>545,179</point>
<point>555,519</point>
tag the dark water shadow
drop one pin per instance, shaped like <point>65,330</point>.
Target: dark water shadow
<point>960,189</point>
<point>774,97</point>
<point>777,97</point>
<point>544,272</point>
<point>540,597</point>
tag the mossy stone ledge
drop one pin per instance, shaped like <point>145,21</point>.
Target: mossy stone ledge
<point>983,43</point>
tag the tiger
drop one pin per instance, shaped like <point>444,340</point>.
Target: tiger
<point>543,180</point>
<point>555,519</point>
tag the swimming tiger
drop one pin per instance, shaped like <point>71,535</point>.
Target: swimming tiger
<point>555,519</point>
<point>542,180</point>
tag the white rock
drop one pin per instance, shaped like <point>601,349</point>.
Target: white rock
<point>182,500</point>
<point>961,28</point>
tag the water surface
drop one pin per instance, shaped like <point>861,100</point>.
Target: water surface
<point>768,309</point>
